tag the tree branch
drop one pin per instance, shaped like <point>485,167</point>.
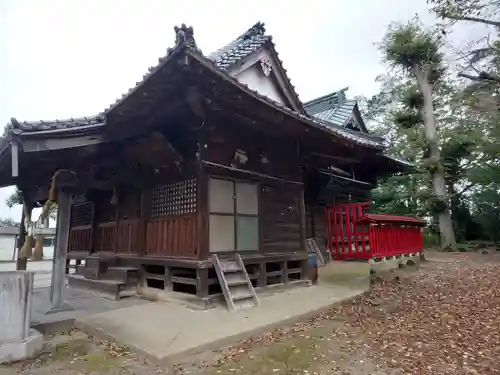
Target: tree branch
<point>471,19</point>
<point>464,190</point>
<point>483,76</point>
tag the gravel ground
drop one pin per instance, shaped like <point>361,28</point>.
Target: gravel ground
<point>443,318</point>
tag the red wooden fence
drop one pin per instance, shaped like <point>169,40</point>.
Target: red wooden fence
<point>355,234</point>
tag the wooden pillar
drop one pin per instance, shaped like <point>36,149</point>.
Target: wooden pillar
<point>202,208</point>
<point>202,282</point>
<point>65,181</point>
<point>93,229</point>
<point>21,263</point>
<point>313,221</point>
<point>302,209</point>
<point>143,221</point>
<point>262,281</point>
<point>284,272</point>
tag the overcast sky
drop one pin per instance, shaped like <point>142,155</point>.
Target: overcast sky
<point>61,58</point>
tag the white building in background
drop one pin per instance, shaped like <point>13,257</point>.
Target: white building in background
<point>8,243</point>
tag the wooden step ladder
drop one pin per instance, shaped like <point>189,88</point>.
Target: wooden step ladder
<point>235,284</point>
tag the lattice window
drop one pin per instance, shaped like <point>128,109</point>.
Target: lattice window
<point>81,214</point>
<point>174,199</point>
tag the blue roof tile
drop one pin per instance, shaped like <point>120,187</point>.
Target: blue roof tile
<point>247,43</point>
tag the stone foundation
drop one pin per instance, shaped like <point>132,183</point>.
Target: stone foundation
<point>27,348</point>
<point>17,340</point>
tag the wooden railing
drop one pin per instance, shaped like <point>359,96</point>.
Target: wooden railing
<point>167,236</point>
<point>394,240</point>
<point>355,234</point>
<point>130,236</point>
<point>80,238</point>
<point>105,236</point>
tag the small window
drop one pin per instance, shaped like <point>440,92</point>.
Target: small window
<point>234,223</point>
<point>221,196</point>
<point>247,232</point>
<point>221,233</point>
<point>246,199</point>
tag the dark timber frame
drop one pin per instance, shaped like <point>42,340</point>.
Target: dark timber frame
<point>144,165</point>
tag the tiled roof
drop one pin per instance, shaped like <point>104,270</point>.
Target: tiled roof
<point>326,101</point>
<point>338,115</point>
<point>355,136</point>
<point>334,108</point>
<point>222,60</point>
<point>58,124</point>
<point>247,43</point>
<point>401,161</point>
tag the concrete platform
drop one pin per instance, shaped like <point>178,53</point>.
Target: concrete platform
<point>166,332</point>
<point>81,302</point>
<point>336,271</point>
<point>354,272</point>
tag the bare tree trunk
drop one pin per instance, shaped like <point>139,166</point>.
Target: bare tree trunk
<point>438,179</point>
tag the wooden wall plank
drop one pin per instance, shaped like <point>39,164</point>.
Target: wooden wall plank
<point>174,236</point>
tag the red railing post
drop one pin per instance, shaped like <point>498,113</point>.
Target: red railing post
<point>350,227</point>
<point>348,230</point>
<point>329,223</point>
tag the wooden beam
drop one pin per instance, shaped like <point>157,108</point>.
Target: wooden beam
<point>335,157</point>
<point>57,143</point>
<point>255,174</point>
<point>333,175</point>
<point>15,158</point>
<point>202,208</point>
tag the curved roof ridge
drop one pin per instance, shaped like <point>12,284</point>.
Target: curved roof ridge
<point>339,93</point>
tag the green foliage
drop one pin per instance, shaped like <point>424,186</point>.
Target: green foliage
<point>14,199</point>
<point>408,46</point>
<point>486,205</point>
<point>8,222</point>
<point>436,205</point>
<point>466,112</point>
<point>412,98</point>
<point>479,61</point>
<point>407,119</point>
<point>430,165</point>
<point>430,238</point>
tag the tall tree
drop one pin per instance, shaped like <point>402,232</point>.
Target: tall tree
<point>416,53</point>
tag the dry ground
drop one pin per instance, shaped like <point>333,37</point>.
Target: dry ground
<point>442,319</point>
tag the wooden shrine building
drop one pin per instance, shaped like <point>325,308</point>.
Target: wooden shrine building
<point>208,154</point>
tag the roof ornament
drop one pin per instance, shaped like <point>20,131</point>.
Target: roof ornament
<point>183,36</point>
<point>15,123</point>
<point>257,29</point>
<point>266,65</point>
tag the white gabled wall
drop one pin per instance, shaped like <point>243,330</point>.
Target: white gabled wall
<point>250,73</point>
<point>255,79</point>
